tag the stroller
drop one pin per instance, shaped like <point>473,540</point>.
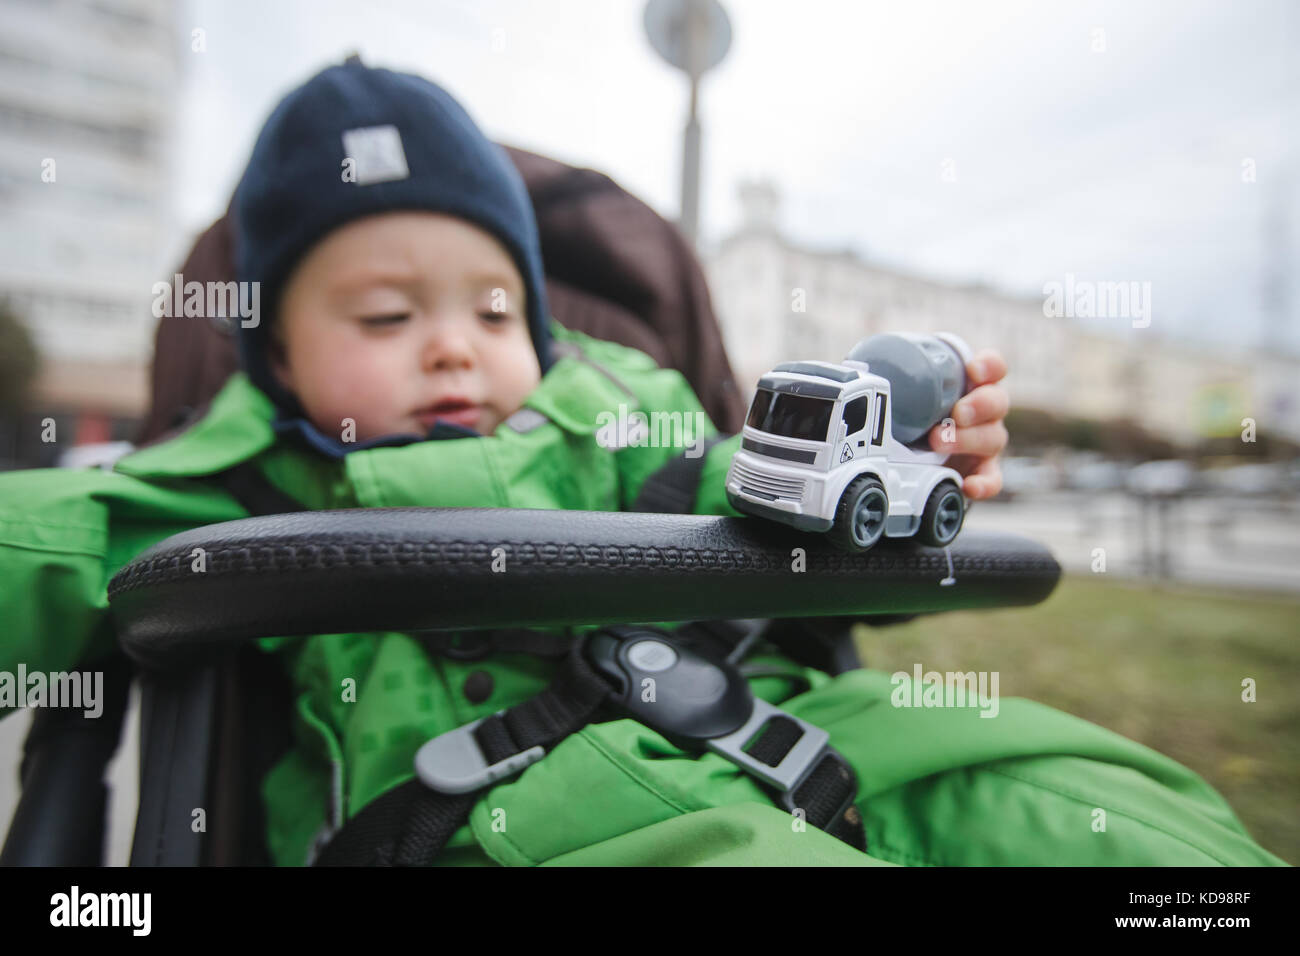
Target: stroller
<point>216,712</point>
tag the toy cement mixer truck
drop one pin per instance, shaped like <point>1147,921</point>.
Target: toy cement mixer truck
<point>840,448</point>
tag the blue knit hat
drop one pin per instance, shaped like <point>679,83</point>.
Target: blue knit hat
<point>412,147</point>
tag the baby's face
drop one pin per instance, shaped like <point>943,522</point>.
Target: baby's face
<point>389,317</point>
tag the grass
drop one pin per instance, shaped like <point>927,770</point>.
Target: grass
<point>1160,666</point>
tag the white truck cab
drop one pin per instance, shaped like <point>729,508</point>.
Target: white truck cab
<point>818,452</point>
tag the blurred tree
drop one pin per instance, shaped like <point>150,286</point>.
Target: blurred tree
<point>1083,434</point>
<point>1125,438</point>
<point>19,360</point>
<point>1032,431</point>
<point>1265,447</point>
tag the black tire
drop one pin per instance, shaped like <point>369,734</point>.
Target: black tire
<point>861,514</point>
<point>944,513</point>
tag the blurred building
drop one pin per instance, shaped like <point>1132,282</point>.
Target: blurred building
<point>777,300</point>
<point>88,92</point>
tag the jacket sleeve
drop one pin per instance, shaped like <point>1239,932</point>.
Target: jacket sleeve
<point>63,534</point>
<point>53,545</point>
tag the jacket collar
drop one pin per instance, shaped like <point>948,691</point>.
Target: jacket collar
<point>236,427</point>
<point>242,422</point>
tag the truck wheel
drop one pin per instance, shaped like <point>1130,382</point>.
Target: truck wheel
<point>944,513</point>
<point>860,516</point>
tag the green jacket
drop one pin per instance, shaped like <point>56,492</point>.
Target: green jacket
<point>615,792</point>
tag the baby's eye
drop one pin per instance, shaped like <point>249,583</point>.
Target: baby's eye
<point>379,321</point>
<point>495,317</point>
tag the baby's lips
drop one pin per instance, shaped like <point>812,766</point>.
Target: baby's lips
<point>467,415</point>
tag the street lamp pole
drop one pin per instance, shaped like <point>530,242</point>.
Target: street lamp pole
<point>694,36</point>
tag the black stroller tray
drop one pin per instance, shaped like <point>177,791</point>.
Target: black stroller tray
<point>434,569</point>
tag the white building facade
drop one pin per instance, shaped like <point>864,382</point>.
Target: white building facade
<point>88,90</point>
<point>777,301</point>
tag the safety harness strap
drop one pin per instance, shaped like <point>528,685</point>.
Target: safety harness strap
<point>826,794</point>
<point>411,823</point>
<point>672,488</point>
<point>248,486</point>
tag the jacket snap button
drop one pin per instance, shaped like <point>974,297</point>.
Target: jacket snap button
<point>478,687</point>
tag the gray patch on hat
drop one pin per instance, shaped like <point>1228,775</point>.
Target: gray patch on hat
<point>377,152</point>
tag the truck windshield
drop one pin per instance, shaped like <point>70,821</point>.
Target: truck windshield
<point>794,416</point>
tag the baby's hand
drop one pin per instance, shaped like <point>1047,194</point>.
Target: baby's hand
<point>980,435</point>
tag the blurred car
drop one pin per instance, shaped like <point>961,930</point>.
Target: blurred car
<point>1254,479</point>
<point>1027,476</point>
<point>1097,476</point>
<point>1162,478</point>
<point>1291,476</point>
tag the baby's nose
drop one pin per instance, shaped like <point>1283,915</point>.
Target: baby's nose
<point>447,348</point>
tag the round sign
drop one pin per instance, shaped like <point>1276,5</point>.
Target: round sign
<point>666,22</point>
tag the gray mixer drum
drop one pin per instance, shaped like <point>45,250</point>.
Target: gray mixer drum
<point>927,374</point>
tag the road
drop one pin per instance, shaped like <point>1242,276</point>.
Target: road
<point>1237,544</point>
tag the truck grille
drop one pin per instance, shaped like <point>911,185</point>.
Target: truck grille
<point>768,485</point>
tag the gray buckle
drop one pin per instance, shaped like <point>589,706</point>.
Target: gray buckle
<point>454,763</point>
<point>796,764</point>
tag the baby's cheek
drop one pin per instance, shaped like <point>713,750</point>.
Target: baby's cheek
<point>341,392</point>
<point>375,407</point>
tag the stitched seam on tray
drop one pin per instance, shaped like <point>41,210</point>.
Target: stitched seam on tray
<point>269,557</point>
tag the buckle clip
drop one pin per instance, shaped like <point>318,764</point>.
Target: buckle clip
<point>794,766</point>
<point>453,762</point>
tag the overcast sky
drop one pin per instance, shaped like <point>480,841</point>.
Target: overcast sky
<point>1119,164</point>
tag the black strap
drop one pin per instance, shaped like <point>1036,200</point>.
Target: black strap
<point>247,485</point>
<point>826,794</point>
<point>671,489</point>
<point>407,826</point>
<point>411,823</point>
<point>476,645</point>
<point>566,706</point>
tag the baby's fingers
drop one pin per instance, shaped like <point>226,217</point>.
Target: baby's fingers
<point>982,441</point>
<point>984,404</point>
<point>986,367</point>
<point>985,481</point>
